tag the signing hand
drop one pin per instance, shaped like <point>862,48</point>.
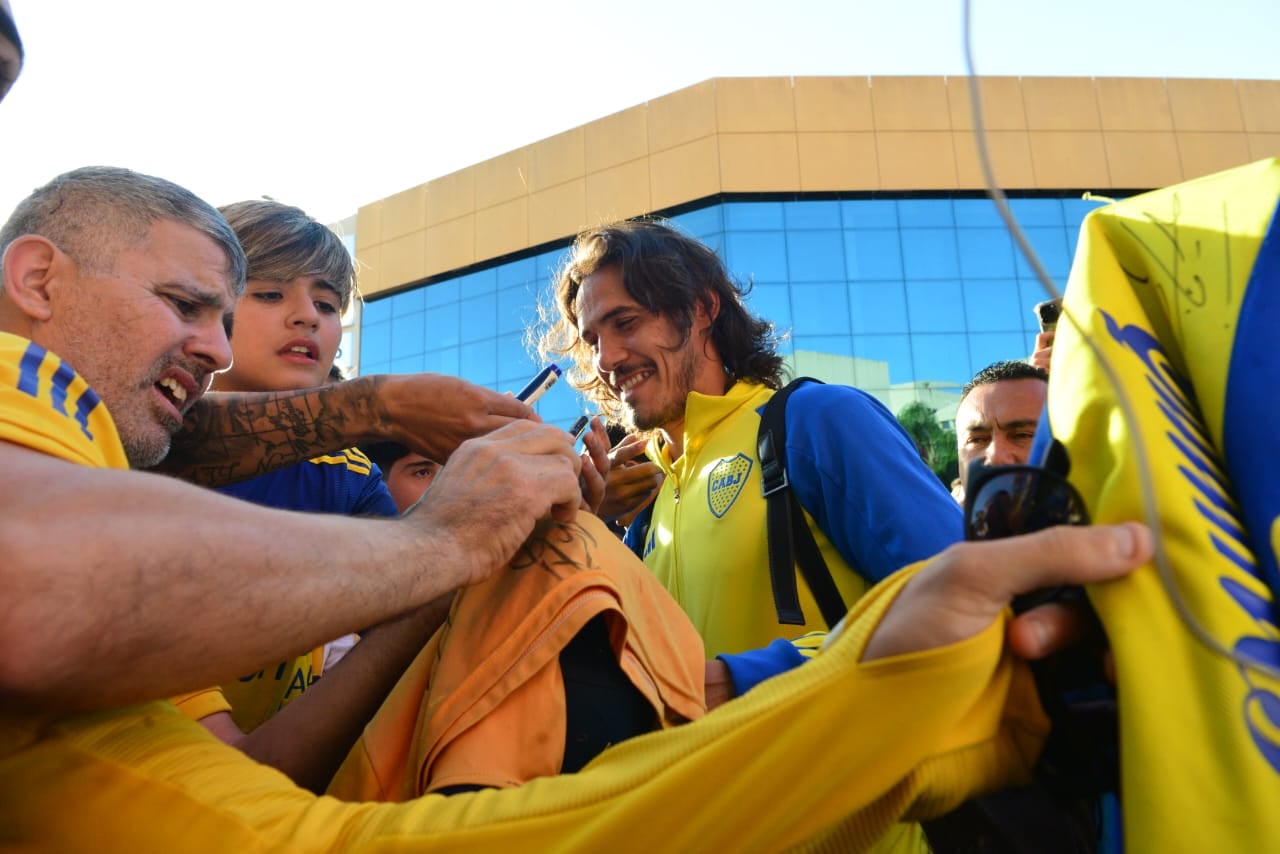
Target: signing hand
<point>433,414</point>
<point>632,484</point>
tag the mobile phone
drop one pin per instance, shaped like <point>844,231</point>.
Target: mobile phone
<point>537,386</point>
<point>1047,313</point>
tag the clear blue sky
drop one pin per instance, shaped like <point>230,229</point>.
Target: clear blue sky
<point>331,105</point>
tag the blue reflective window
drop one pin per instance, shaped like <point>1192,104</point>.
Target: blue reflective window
<point>515,365</point>
<point>925,213</point>
<point>480,361</point>
<point>1030,292</point>
<point>988,347</point>
<point>367,368</point>
<point>929,253</point>
<point>935,306</point>
<point>478,317</point>
<point>442,327</point>
<point>549,263</point>
<point>517,309</point>
<point>1036,211</point>
<point>1050,245</point>
<point>821,309</point>
<point>976,213</point>
<point>375,311</point>
<point>375,343</point>
<point>702,222</point>
<point>815,256</point>
<point>479,282</point>
<point>409,302</point>
<point>753,216</point>
<point>760,256</point>
<point>878,307</point>
<point>442,362</point>
<point>873,254</point>
<point>1075,210</point>
<point>986,253</point>
<point>442,292</point>
<point>941,358</point>
<point>517,272</point>
<point>993,305</point>
<point>560,405</point>
<point>771,302</point>
<point>809,215</point>
<point>869,213</point>
<point>891,351</point>
<point>406,335</point>
<point>406,365</point>
<point>834,345</point>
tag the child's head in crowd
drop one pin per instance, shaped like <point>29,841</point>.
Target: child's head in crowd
<point>288,324</point>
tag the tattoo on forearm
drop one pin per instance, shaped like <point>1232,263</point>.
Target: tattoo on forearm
<point>232,436</point>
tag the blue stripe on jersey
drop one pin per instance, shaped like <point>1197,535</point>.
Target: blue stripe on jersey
<point>1251,406</point>
<point>63,376</point>
<point>29,370</point>
<point>84,408</point>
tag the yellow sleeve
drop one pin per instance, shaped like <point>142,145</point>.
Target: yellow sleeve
<point>201,704</point>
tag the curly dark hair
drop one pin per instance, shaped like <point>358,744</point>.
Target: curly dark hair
<point>668,273</point>
<point>1008,369</point>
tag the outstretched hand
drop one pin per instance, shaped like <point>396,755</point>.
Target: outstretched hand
<point>432,414</point>
<point>958,593</point>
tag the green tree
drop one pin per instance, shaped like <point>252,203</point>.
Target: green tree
<point>937,446</point>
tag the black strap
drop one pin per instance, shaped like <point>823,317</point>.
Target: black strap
<point>790,541</point>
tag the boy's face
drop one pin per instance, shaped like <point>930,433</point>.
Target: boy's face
<point>286,336</point>
<point>409,477</point>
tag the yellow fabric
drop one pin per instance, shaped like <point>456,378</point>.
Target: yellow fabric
<point>254,699</point>
<point>201,704</point>
<point>483,704</point>
<point>935,727</point>
<point>1156,285</point>
<point>41,403</point>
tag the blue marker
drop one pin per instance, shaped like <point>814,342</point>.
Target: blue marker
<point>545,379</point>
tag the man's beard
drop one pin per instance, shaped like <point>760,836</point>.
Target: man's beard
<point>144,452</point>
<point>672,409</point>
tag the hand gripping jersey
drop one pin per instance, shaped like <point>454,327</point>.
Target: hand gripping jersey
<point>484,702</point>
<point>1179,290</point>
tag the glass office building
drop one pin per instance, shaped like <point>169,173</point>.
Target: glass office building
<point>906,298</point>
<point>853,206</point>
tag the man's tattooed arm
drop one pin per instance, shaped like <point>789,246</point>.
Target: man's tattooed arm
<point>229,437</point>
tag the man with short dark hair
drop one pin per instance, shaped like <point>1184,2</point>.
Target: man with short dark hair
<point>999,410</point>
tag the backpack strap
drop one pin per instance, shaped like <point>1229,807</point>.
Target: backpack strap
<point>791,543</point>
